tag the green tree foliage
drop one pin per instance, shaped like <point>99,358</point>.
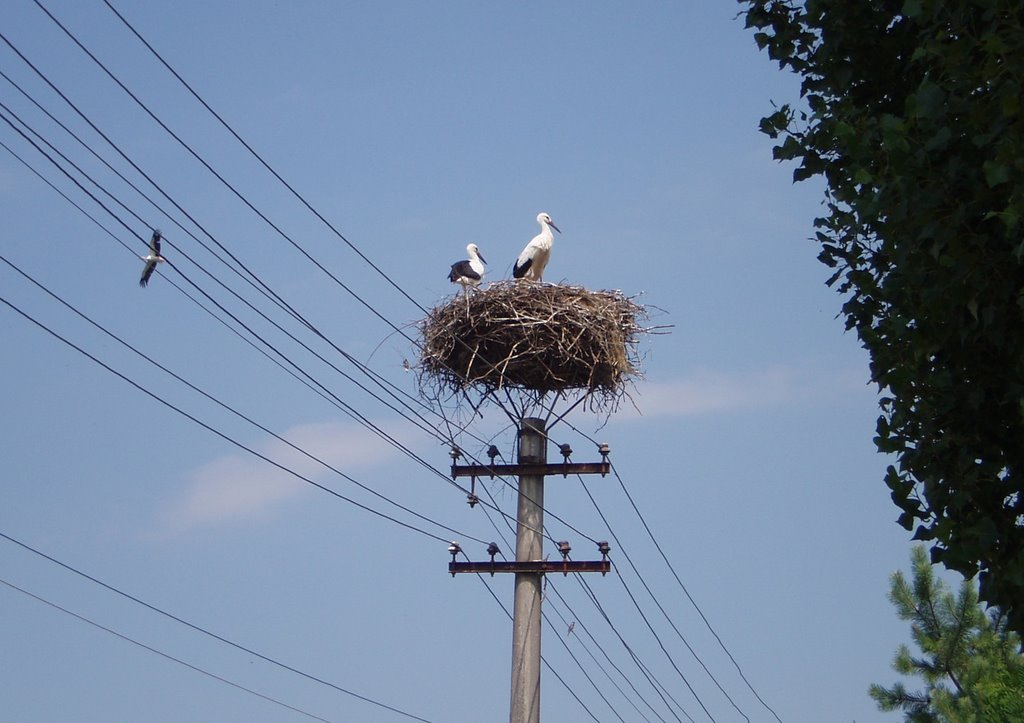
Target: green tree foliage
<point>969,661</point>
<point>912,113</point>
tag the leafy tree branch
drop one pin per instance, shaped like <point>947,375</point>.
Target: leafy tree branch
<point>911,111</point>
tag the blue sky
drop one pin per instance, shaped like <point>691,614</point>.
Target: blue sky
<point>415,129</point>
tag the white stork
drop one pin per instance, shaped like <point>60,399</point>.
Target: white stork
<point>469,272</point>
<point>152,258</point>
<point>531,262</point>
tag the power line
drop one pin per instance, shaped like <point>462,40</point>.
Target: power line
<point>345,407</point>
<point>206,632</point>
<point>582,669</point>
<point>696,607</point>
<point>400,289</point>
<point>144,107</point>
<point>262,161</point>
<point>217,432</point>
<point>248,449</point>
<point>359,365</point>
<point>250,149</point>
<point>191,386</point>
<point>67,160</point>
<point>266,291</point>
<point>547,665</point>
<point>658,687</point>
<point>67,198</point>
<point>650,677</point>
<point>675,575</point>
<point>617,669</point>
<point>663,648</point>
<point>555,516</point>
<point>501,536</point>
<point>132,163</point>
<point>162,654</point>
<point>231,409</point>
<point>169,280</point>
<point>219,177</point>
<point>248,279</point>
<point>657,603</point>
<point>148,359</point>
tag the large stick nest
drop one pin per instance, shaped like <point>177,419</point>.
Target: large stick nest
<point>534,337</point>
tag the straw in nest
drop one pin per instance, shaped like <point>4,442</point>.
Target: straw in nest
<point>533,337</point>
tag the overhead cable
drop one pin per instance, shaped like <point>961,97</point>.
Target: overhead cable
<point>162,654</point>
<point>134,165</point>
<point>219,177</point>
<point>231,409</point>
<point>263,162</point>
<point>660,607</point>
<point>206,632</point>
<point>215,431</point>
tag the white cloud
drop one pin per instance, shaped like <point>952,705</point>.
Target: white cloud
<point>707,392</point>
<point>240,485</point>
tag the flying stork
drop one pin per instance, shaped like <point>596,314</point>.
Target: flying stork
<point>531,262</point>
<point>152,258</point>
<point>470,272</point>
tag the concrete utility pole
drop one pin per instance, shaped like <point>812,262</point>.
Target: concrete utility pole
<point>526,622</point>
<point>529,566</point>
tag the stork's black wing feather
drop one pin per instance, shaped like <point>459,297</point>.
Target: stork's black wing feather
<point>518,271</point>
<point>463,270</point>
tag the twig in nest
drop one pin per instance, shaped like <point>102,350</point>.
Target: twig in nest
<point>533,338</point>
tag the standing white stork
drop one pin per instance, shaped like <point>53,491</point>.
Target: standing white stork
<point>152,258</point>
<point>469,272</point>
<point>531,262</point>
